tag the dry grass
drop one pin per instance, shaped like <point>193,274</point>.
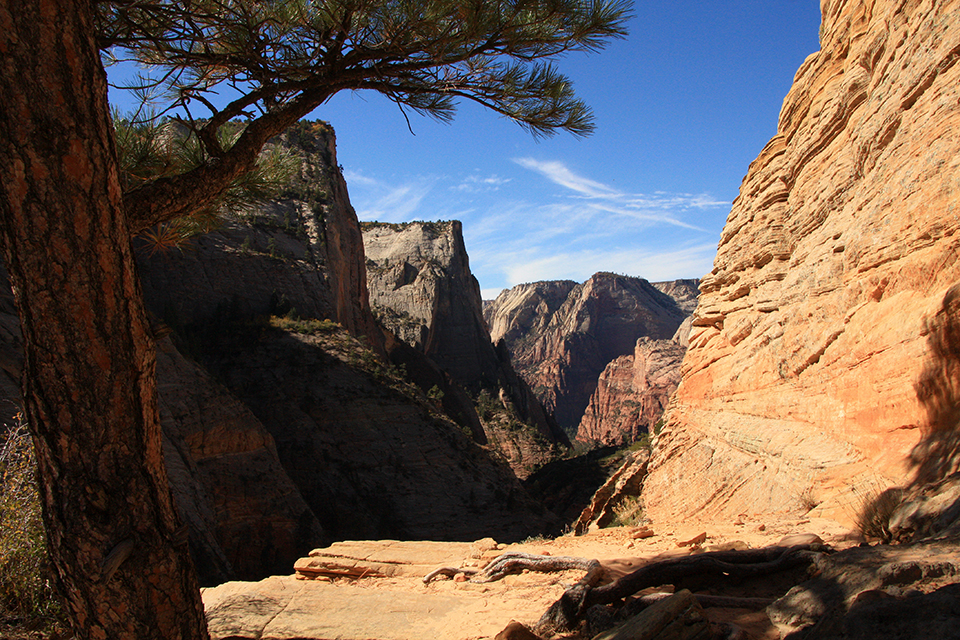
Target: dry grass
<point>27,598</point>
<point>876,508</point>
<point>628,513</point>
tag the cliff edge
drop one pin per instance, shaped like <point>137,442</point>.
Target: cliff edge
<point>817,322</point>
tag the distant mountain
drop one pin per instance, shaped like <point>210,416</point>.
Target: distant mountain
<point>422,290</point>
<point>562,334</point>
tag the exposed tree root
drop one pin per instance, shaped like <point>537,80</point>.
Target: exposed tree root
<point>514,562</point>
<point>567,612</point>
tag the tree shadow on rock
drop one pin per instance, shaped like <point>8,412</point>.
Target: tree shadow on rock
<point>937,455</point>
<point>932,500</point>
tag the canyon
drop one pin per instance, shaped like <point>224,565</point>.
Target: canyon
<point>563,335</point>
<point>322,381</point>
<point>290,418</point>
<point>422,290</point>
<point>822,368</point>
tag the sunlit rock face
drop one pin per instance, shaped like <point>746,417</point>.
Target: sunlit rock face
<point>422,290</point>
<point>562,334</point>
<point>632,394</point>
<point>811,333</point>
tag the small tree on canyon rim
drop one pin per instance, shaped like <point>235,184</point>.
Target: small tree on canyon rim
<point>89,387</point>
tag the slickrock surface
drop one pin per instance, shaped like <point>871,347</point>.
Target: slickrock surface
<point>561,335</point>
<point>392,602</point>
<point>812,330</point>
<point>422,289</point>
<point>632,393</point>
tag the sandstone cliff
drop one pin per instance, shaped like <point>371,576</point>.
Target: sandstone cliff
<point>296,441</point>
<point>632,393</point>
<point>302,253</point>
<point>814,327</point>
<point>422,290</point>
<point>562,334</point>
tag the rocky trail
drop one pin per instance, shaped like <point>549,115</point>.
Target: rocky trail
<point>376,589</point>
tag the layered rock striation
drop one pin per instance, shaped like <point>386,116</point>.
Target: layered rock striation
<point>422,290</point>
<point>562,335</point>
<point>632,394</point>
<point>813,328</point>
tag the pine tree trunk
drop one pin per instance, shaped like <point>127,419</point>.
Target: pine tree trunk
<point>89,385</point>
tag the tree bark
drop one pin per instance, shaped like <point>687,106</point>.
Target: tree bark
<point>89,386</point>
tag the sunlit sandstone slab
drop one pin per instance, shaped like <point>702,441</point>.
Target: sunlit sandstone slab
<point>816,325</point>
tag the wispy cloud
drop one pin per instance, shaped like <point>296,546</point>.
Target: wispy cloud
<point>558,173</point>
<point>480,184</point>
<point>657,208</point>
<point>376,199</point>
<point>519,227</point>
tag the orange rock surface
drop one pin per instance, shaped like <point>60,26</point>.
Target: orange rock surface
<point>812,329</point>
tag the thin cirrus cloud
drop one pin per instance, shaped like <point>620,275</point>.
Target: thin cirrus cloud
<point>659,207</point>
<point>480,184</point>
<point>379,200</point>
<point>515,232</point>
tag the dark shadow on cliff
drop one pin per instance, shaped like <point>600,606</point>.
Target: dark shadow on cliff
<point>372,455</point>
<point>931,501</point>
<point>937,455</point>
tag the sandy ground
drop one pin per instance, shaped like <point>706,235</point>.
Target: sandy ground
<point>400,607</point>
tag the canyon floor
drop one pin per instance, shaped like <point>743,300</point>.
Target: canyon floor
<point>386,597</point>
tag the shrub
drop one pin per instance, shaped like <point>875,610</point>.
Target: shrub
<point>292,322</point>
<point>873,518</point>
<point>26,595</point>
<point>628,513</point>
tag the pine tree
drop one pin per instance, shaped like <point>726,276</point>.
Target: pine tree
<point>89,385</point>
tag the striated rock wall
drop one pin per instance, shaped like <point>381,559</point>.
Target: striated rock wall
<point>683,292</point>
<point>561,334</point>
<point>811,332</point>
<point>632,393</point>
<point>302,253</point>
<point>422,290</point>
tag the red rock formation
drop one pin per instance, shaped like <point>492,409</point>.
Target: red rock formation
<point>811,332</point>
<point>561,345</point>
<point>632,393</point>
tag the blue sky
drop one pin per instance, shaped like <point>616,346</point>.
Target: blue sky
<point>682,106</point>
